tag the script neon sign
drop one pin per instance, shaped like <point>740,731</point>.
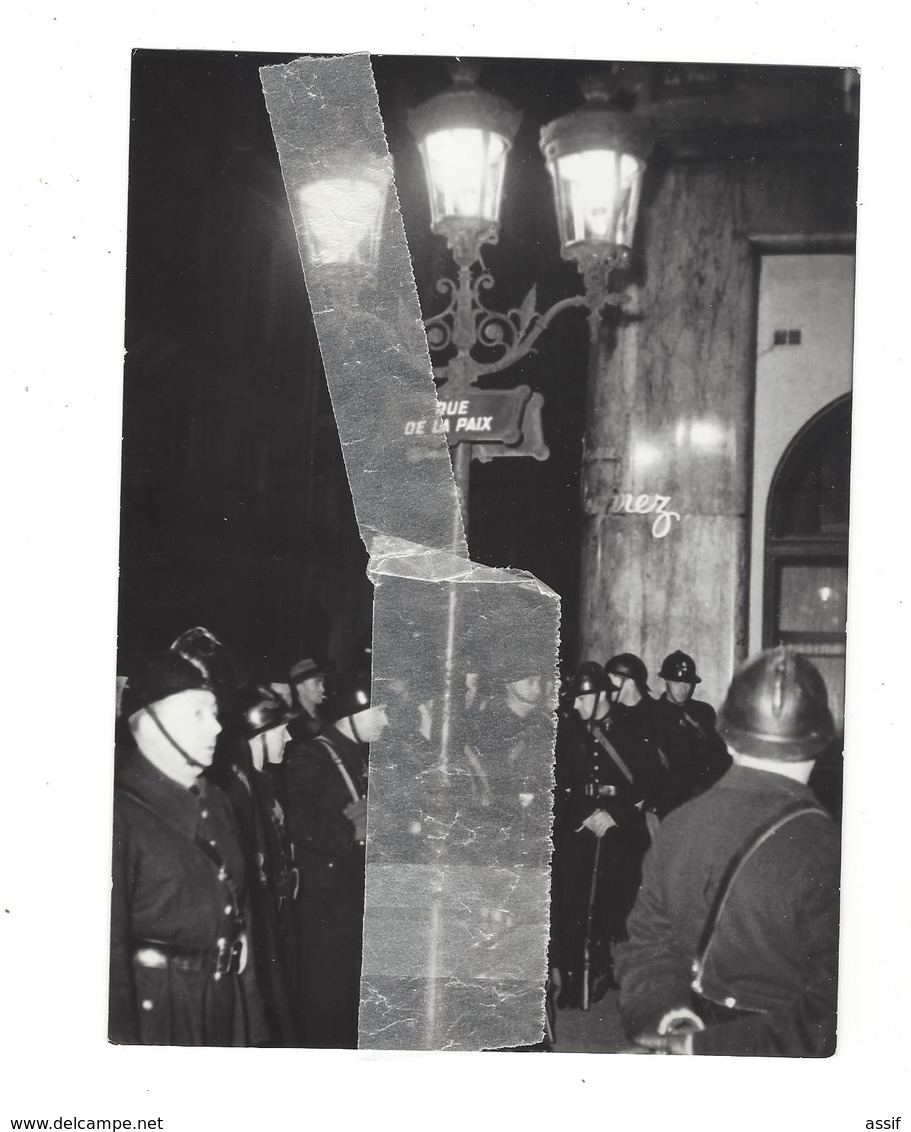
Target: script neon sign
<point>625,503</point>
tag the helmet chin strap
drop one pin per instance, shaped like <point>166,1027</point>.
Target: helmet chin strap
<point>170,738</point>
<point>618,692</point>
<point>613,698</point>
<point>354,730</point>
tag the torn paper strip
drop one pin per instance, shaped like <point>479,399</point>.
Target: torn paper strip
<point>458,849</point>
<point>338,176</point>
<point>456,924</point>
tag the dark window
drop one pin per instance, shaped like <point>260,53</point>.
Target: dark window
<point>806,576</point>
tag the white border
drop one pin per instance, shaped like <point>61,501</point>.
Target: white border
<point>66,99</point>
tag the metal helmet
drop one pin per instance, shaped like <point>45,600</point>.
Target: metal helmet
<point>628,664</point>
<point>589,680</point>
<point>777,707</point>
<point>354,697</point>
<point>261,709</point>
<point>166,674</point>
<point>215,661</point>
<point>680,666</point>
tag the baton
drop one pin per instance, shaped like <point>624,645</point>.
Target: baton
<point>587,954</point>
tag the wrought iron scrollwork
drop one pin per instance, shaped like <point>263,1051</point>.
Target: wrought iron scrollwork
<point>486,340</point>
<point>439,326</point>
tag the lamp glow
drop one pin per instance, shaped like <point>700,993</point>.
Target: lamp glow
<point>343,218</point>
<point>596,158</point>
<point>464,168</point>
<point>464,136</point>
<point>597,193</point>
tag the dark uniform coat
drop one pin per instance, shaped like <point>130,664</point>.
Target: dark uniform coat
<point>268,878</point>
<point>178,889</point>
<point>278,876</point>
<point>632,731</point>
<point>589,778</point>
<point>771,967</point>
<point>304,725</point>
<point>695,752</point>
<point>331,901</point>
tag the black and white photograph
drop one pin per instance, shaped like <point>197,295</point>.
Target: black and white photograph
<point>484,669</point>
<point>637,281</point>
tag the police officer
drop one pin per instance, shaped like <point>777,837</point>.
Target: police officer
<point>633,709</point>
<point>180,969</point>
<point>264,716</point>
<point>632,727</point>
<point>599,835</point>
<point>326,781</point>
<point>685,732</point>
<point>733,941</point>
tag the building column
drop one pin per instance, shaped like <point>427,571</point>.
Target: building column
<point>667,440</point>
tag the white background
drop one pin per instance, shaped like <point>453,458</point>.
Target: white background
<point>66,107</point>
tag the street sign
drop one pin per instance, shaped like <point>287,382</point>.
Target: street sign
<point>532,442</point>
<point>480,416</point>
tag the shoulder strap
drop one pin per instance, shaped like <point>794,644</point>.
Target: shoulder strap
<point>662,757</point>
<point>603,741</point>
<point>340,767</point>
<point>734,867</point>
<point>694,723</point>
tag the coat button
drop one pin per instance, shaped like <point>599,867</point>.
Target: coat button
<point>204,813</point>
<point>146,1004</point>
<point>730,1002</point>
<point>228,909</point>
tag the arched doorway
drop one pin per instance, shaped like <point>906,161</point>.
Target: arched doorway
<point>806,551</point>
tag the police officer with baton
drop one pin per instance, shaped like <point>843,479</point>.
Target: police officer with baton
<point>598,809</point>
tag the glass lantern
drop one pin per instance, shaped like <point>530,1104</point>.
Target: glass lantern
<point>464,136</point>
<point>464,169</point>
<point>596,158</point>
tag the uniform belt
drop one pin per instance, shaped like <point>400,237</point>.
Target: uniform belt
<point>597,790</point>
<point>223,959</point>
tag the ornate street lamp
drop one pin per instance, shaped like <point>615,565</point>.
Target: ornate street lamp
<point>596,157</point>
<point>464,136</point>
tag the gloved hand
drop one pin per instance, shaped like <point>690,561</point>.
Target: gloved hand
<point>674,1034</point>
<point>680,1042</point>
<point>680,1020</point>
<point>356,812</point>
<point>599,823</point>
